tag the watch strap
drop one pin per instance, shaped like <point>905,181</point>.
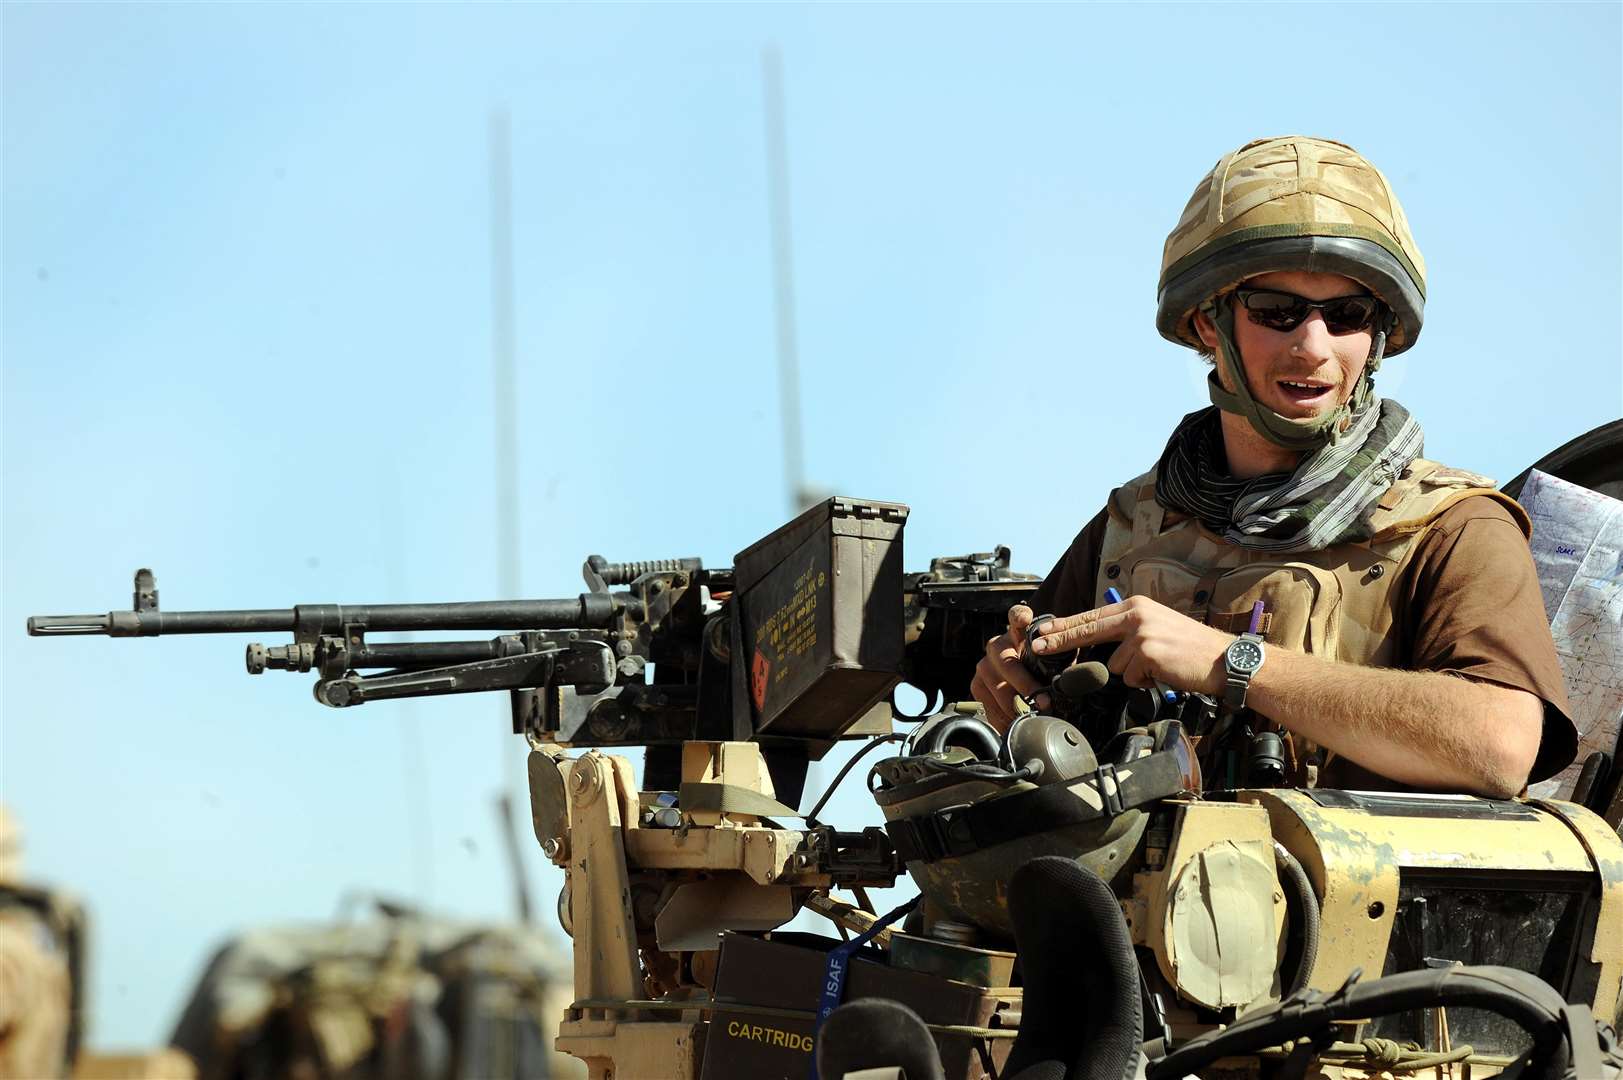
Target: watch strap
<point>1237,683</point>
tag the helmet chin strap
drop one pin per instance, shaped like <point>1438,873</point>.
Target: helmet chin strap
<point>1302,435</point>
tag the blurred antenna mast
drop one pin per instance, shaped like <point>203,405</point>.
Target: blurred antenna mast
<point>783,281</point>
<point>515,860</point>
<point>416,783</point>
<point>504,382</point>
<point>505,376</point>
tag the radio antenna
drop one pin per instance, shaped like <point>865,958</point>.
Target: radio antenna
<point>783,283</point>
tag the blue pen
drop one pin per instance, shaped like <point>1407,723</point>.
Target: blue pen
<point>1112,596</point>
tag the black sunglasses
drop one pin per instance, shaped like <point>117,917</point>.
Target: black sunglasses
<point>1285,311</point>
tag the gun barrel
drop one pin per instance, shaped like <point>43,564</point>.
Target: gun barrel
<point>589,611</point>
<point>153,623</point>
<point>586,612</point>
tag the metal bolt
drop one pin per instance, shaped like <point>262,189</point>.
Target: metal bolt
<point>550,847</point>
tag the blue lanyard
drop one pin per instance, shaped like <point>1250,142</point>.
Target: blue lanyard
<point>839,962</point>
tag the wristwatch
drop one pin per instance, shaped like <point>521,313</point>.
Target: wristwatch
<point>1240,661</point>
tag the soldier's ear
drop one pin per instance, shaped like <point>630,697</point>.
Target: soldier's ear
<point>1206,331</point>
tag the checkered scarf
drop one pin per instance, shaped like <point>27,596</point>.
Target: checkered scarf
<point>1326,501</point>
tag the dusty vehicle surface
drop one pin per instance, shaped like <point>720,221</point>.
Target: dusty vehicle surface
<point>1091,902</point>
<point>400,996</point>
<point>45,958</point>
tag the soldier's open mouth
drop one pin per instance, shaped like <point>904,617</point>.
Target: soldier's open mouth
<point>1304,393</point>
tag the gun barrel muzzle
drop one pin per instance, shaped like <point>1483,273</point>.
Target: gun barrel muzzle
<point>46,625</point>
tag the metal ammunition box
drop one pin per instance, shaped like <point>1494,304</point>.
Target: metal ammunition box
<point>819,620</point>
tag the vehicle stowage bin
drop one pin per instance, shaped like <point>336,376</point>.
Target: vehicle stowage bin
<point>766,996</point>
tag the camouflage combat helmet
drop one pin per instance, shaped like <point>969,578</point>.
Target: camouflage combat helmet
<point>1291,203</point>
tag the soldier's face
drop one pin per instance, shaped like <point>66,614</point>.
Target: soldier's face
<point>1306,371</point>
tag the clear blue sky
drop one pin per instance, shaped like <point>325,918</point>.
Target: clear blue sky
<point>247,342</point>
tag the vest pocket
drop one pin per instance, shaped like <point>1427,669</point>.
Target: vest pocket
<point>1301,603</point>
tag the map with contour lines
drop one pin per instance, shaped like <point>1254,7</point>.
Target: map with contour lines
<point>1578,549</point>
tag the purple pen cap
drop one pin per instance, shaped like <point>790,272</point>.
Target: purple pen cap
<point>1256,618</point>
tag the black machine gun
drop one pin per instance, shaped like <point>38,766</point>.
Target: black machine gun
<point>813,626</point>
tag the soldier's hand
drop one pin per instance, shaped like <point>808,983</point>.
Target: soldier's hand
<point>1001,676</point>
<point>1157,644</point>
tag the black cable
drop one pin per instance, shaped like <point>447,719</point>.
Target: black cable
<point>960,731</point>
<point>811,818</point>
<point>1307,913</point>
<point>984,770</point>
<point>1518,996</point>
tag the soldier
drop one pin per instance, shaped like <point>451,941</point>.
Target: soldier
<point>1291,553</point>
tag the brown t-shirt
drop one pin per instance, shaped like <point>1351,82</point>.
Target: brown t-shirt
<point>1469,604</point>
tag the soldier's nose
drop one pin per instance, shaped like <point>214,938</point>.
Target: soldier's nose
<point>1313,339</point>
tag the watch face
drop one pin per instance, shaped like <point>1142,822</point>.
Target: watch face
<point>1244,657</point>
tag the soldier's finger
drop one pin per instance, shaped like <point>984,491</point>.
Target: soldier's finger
<point>996,645</point>
<point>1001,659</point>
<point>1065,622</point>
<point>1136,672</point>
<point>998,714</point>
<point>1020,617</point>
<point>1088,628</point>
<point>978,691</point>
<point>1121,657</point>
<point>1006,667</point>
<point>980,687</point>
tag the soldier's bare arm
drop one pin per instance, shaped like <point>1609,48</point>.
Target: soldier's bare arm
<point>1425,729</point>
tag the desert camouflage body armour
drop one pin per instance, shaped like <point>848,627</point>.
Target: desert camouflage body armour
<point>1338,602</point>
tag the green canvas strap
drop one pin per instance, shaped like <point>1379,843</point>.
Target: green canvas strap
<point>730,799</point>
